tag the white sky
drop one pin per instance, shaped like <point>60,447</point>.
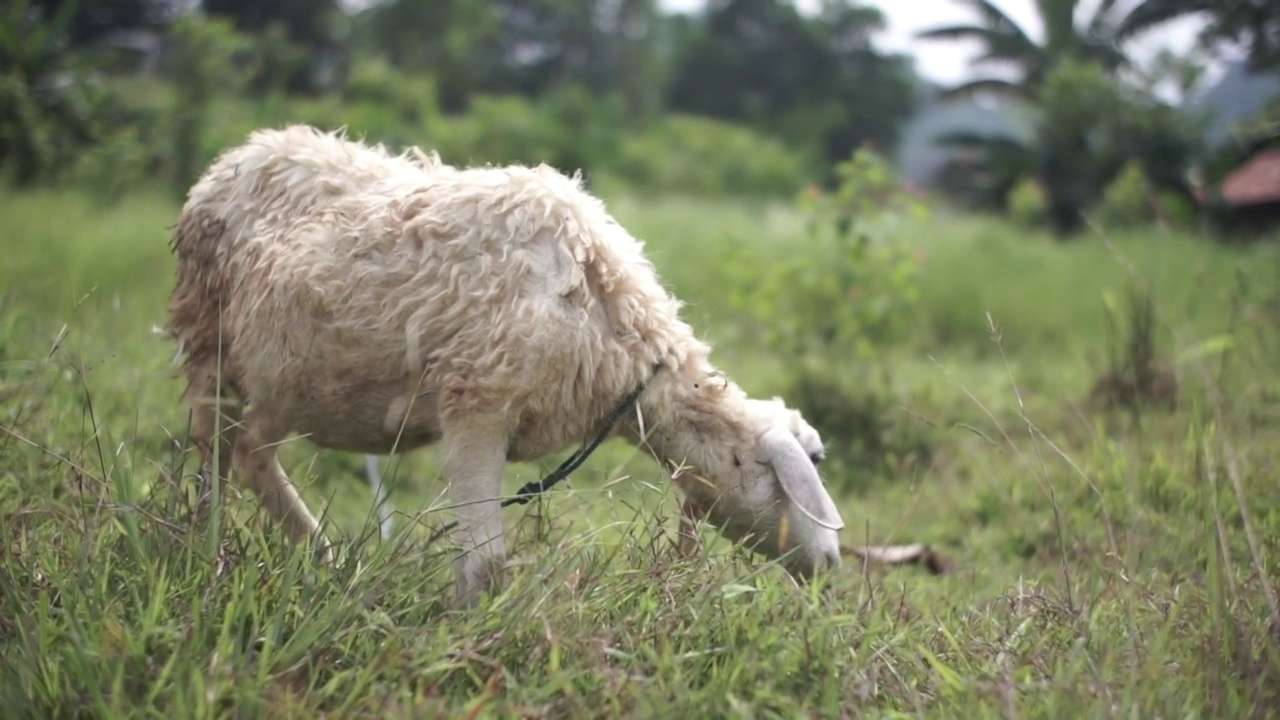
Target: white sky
<point>946,62</point>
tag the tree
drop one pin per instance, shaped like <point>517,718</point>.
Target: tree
<point>818,82</point>
<point>875,92</point>
<point>1256,23</point>
<point>524,47</point>
<point>299,40</point>
<point>446,38</point>
<point>1070,78</point>
<point>635,32</point>
<point>48,105</point>
<point>92,20</point>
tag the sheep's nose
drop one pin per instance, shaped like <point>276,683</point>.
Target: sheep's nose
<point>829,560</point>
<point>821,560</point>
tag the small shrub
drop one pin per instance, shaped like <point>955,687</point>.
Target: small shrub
<point>856,282</point>
<point>1175,211</point>
<point>1027,203</point>
<point>1135,378</point>
<point>410,97</point>
<point>831,307</point>
<point>51,97</point>
<point>499,129</point>
<point>700,156</point>
<point>202,49</point>
<point>114,167</point>
<point>859,423</point>
<point>1127,200</point>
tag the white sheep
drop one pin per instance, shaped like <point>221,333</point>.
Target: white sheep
<point>378,303</point>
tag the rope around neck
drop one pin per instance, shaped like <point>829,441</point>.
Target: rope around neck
<point>530,490</point>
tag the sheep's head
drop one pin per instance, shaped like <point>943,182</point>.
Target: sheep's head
<point>760,487</point>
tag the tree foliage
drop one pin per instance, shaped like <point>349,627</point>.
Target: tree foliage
<point>301,42</point>
<point>49,102</point>
<point>90,21</point>
<point>1254,23</point>
<point>821,78</point>
<point>1090,120</point>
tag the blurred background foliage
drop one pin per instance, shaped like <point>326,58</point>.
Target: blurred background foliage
<point>745,97</point>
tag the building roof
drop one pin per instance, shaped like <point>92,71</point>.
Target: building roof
<point>1256,182</point>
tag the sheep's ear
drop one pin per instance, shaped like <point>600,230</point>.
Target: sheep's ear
<point>799,478</point>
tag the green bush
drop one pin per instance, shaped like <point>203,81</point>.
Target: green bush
<point>203,108</point>
<point>853,285</point>
<point>51,98</point>
<point>700,156</point>
<point>1027,203</point>
<point>1178,211</point>
<point>115,167</point>
<point>1126,201</point>
<point>411,98</point>
<point>833,306</point>
<point>501,129</point>
<point>864,431</point>
<point>201,52</point>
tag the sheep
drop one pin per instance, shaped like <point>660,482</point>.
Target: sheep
<point>379,303</point>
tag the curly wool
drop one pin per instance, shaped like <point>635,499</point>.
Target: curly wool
<point>354,283</point>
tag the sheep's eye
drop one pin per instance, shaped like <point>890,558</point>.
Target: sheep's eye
<point>816,458</point>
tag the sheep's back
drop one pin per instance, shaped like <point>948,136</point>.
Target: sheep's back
<point>352,267</point>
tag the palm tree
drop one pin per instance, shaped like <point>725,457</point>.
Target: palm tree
<point>1255,23</point>
<point>1064,152</point>
<point>1005,42</point>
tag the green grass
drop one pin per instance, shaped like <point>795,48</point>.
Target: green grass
<point>1104,564</point>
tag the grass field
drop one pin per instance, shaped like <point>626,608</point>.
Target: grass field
<point>1104,563</point>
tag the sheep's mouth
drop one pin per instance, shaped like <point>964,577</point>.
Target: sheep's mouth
<point>774,541</point>
<point>756,535</point>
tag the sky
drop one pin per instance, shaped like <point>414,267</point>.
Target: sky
<point>946,62</point>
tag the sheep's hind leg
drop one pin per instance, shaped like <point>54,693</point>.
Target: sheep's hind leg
<point>474,455</point>
<point>256,458</point>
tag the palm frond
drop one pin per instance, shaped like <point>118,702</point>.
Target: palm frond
<point>1151,13</point>
<point>997,43</point>
<point>994,86</point>
<point>1100,24</point>
<point>1103,52</point>
<point>995,18</point>
<point>979,141</point>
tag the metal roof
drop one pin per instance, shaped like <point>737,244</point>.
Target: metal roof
<point>1256,182</point>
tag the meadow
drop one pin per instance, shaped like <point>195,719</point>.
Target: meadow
<point>1104,561</point>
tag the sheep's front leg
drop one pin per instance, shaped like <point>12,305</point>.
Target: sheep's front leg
<point>256,458</point>
<point>473,459</point>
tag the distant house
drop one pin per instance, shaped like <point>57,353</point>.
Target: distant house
<point>1251,192</point>
<point>925,162</point>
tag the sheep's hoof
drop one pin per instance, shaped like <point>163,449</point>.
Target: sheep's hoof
<point>323,552</point>
<point>475,576</point>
